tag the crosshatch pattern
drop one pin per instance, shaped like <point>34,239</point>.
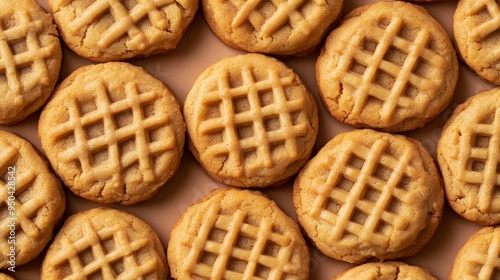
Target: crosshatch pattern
<point>491,25</point>
<point>14,60</point>
<point>482,262</point>
<point>28,202</point>
<point>479,164</point>
<point>229,246</point>
<point>383,64</point>
<point>367,193</point>
<point>107,136</point>
<point>105,253</point>
<point>284,13</point>
<point>127,20</point>
<point>253,120</point>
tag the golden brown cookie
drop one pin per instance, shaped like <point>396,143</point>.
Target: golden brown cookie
<point>422,1</point>
<point>105,30</point>
<point>5,277</point>
<point>104,243</point>
<point>468,154</point>
<point>30,58</point>
<point>291,28</point>
<point>479,256</point>
<point>32,201</point>
<point>389,66</point>
<point>369,195</point>
<point>393,270</point>
<point>113,133</point>
<point>475,30</point>
<point>251,121</point>
<point>237,234</point>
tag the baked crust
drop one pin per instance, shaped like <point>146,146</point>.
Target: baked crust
<point>389,66</point>
<point>105,243</point>
<point>111,30</point>
<point>467,154</point>
<point>478,256</point>
<point>369,196</point>
<point>251,121</point>
<point>237,233</point>
<point>475,32</point>
<point>113,133</point>
<point>31,198</point>
<point>31,58</point>
<point>279,28</point>
<point>392,270</point>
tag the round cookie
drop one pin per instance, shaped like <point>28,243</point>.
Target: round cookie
<point>113,133</point>
<point>32,201</point>
<point>468,153</point>
<point>251,121</point>
<point>422,1</point>
<point>31,59</point>
<point>393,270</point>
<point>238,234</point>
<point>105,243</point>
<point>106,30</point>
<point>369,195</point>
<point>287,28</point>
<point>389,66</point>
<point>479,256</point>
<point>476,36</point>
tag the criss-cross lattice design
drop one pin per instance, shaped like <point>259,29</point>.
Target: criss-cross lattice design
<point>366,192</point>
<point>105,253</point>
<point>479,159</point>
<point>251,120</point>
<point>483,262</point>
<point>491,25</point>
<point>280,13</point>
<point>385,65</point>
<point>14,58</point>
<point>108,135</point>
<point>27,202</point>
<point>227,246</point>
<point>126,20</point>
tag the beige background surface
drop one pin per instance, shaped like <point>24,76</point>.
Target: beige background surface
<point>178,69</point>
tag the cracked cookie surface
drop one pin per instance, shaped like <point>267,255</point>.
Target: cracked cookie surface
<point>287,28</point>
<point>475,30</point>
<point>32,201</point>
<point>113,133</point>
<point>393,270</point>
<point>468,154</point>
<point>389,66</point>
<point>251,121</point>
<point>105,243</point>
<point>31,57</point>
<point>479,256</point>
<point>369,195</point>
<point>237,234</point>
<point>108,30</point>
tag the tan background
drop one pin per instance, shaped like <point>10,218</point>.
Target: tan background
<point>178,69</point>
